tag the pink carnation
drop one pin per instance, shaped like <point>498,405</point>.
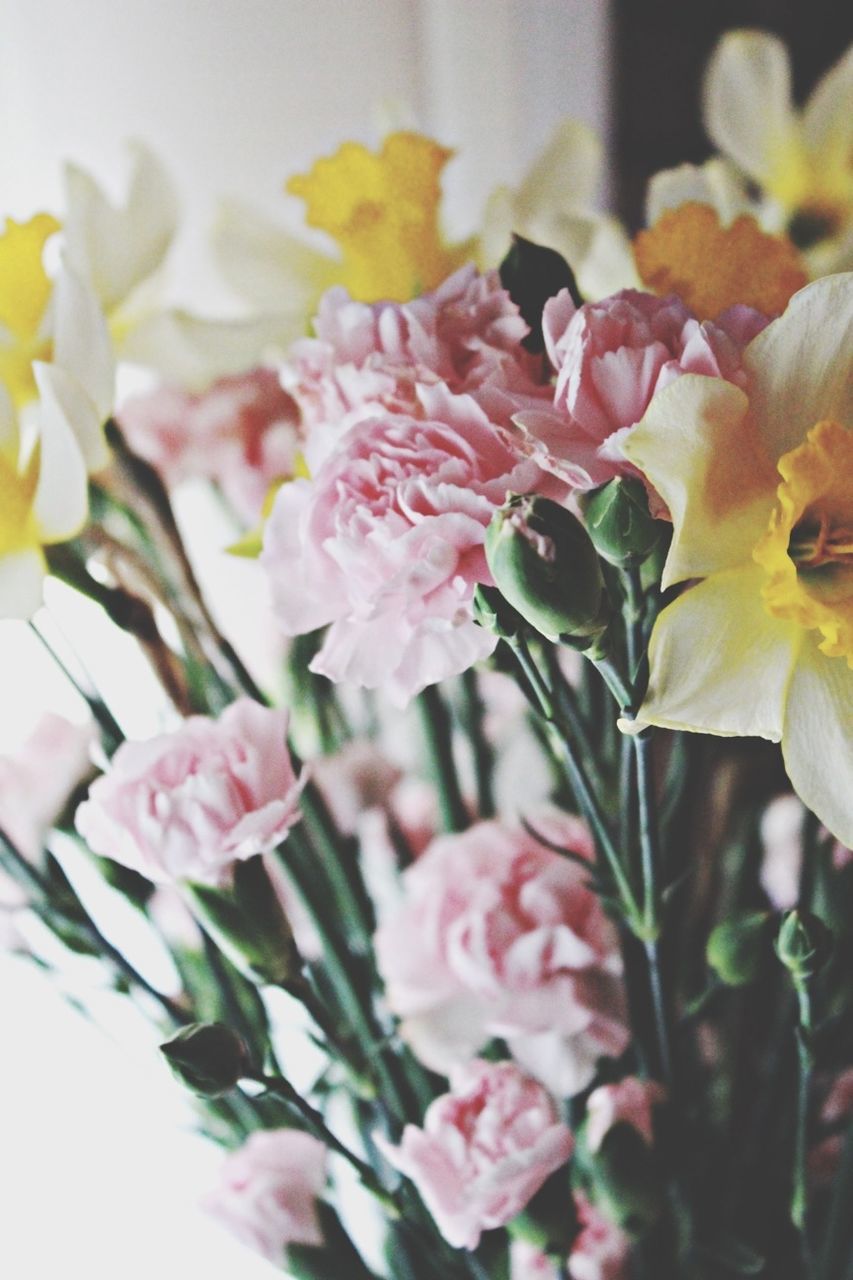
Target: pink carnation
<point>187,804</point>
<point>600,1251</point>
<point>631,1101</point>
<point>499,936</point>
<point>385,543</point>
<point>611,357</point>
<point>467,335</point>
<point>36,782</point>
<point>268,1190</point>
<point>526,1262</point>
<point>485,1149</point>
<point>241,433</point>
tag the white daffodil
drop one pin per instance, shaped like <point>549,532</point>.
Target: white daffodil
<point>760,487</point>
<point>800,161</point>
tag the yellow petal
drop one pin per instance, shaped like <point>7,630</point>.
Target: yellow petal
<point>383,211</point>
<point>817,742</point>
<point>24,295</point>
<point>719,663</point>
<point>17,526</point>
<point>800,366</point>
<point>699,448</point>
<point>713,267</point>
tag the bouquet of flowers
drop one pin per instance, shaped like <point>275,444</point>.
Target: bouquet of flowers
<point>553,529</point>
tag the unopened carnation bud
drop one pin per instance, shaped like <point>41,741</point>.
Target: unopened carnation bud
<point>531,274</point>
<point>619,522</point>
<point>495,614</point>
<point>803,944</point>
<point>736,947</point>
<point>544,564</point>
<point>207,1057</point>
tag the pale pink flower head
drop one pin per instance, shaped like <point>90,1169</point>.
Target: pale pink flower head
<point>782,841</point>
<point>611,357</point>
<point>242,433</point>
<point>37,781</point>
<point>466,335</point>
<point>632,1101</point>
<point>601,1250</point>
<point>385,545</point>
<point>187,804</point>
<point>497,935</point>
<point>268,1191</point>
<point>527,1262</point>
<point>485,1149</point>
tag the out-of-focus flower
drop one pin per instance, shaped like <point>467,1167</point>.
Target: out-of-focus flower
<point>268,1191</point>
<point>611,357</point>
<point>527,1262</point>
<point>759,490</point>
<point>485,1149</point>
<point>385,542</point>
<point>37,781</point>
<point>242,433</point>
<point>24,296</point>
<point>712,268</point>
<point>799,159</point>
<point>600,1251</point>
<point>499,936</point>
<point>187,804</point>
<point>782,838</point>
<point>467,334</point>
<point>631,1101</point>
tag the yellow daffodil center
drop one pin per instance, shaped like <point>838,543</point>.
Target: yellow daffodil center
<point>808,548</point>
<point>712,267</point>
<point>24,293</point>
<point>383,211</point>
<point>17,524</point>
<point>816,189</point>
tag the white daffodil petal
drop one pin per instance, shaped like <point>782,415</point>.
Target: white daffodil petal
<point>747,100</point>
<point>828,114</point>
<point>193,352</point>
<point>719,663</point>
<point>608,263</point>
<point>117,248</point>
<point>81,343</point>
<point>817,742</point>
<point>61,497</point>
<point>21,578</point>
<point>265,265</point>
<point>800,366</point>
<point>697,446</point>
<point>64,398</point>
<point>564,177</point>
<point>714,183</point>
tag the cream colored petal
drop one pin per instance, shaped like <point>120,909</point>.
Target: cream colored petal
<point>801,367</point>
<point>818,738</point>
<point>564,176</point>
<point>714,183</point>
<point>81,343</point>
<point>117,248</point>
<point>21,578</point>
<point>828,114</point>
<point>719,663</point>
<point>697,446</point>
<point>267,266</point>
<point>496,228</point>
<point>61,497</point>
<point>747,100</point>
<point>608,263</point>
<point>193,352</point>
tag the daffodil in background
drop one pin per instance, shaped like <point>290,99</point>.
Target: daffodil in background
<point>760,488</point>
<point>800,161</point>
<point>25,290</point>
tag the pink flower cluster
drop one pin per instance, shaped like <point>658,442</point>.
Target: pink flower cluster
<point>268,1190</point>
<point>497,935</point>
<point>632,1101</point>
<point>611,357</point>
<point>599,1251</point>
<point>242,433</point>
<point>37,781</point>
<point>385,544</point>
<point>186,805</point>
<point>484,1150</point>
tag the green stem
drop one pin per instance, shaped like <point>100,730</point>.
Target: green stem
<point>112,732</point>
<point>799,1196</point>
<point>438,732</point>
<point>481,748</point>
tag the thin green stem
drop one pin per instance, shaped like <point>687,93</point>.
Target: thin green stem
<point>481,748</point>
<point>438,733</point>
<point>799,1195</point>
<point>110,728</point>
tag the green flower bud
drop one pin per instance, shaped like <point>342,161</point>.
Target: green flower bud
<point>531,274</point>
<point>803,944</point>
<point>619,522</point>
<point>207,1057</point>
<point>493,613</point>
<point>545,565</point>
<point>736,947</point>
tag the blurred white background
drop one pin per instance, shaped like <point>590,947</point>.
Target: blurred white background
<point>98,1173</point>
